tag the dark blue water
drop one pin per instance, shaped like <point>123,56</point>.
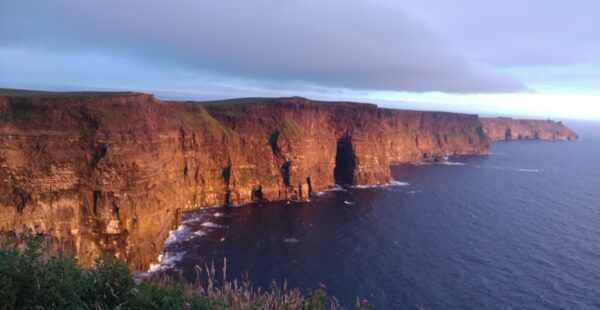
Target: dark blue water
<point>519,229</point>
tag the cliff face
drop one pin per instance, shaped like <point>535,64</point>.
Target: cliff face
<point>505,129</point>
<point>111,173</point>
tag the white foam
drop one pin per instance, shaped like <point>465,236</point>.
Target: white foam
<point>212,225</point>
<point>392,183</point>
<point>338,188</point>
<point>199,233</point>
<point>218,214</point>
<point>528,170</point>
<point>192,220</point>
<point>368,186</point>
<point>291,240</point>
<point>420,163</point>
<point>452,163</point>
<point>349,202</point>
<point>181,233</point>
<point>169,259</point>
<point>398,183</point>
<point>155,267</point>
<point>166,261</point>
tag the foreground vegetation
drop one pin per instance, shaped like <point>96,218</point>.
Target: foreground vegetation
<point>32,279</point>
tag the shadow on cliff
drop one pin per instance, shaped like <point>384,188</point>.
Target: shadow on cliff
<point>345,161</point>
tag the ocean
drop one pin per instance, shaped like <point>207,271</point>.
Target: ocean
<point>519,229</point>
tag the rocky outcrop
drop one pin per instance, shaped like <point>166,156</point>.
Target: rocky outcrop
<point>506,129</point>
<point>111,173</point>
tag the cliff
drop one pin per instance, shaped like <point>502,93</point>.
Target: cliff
<point>110,173</point>
<point>505,129</point>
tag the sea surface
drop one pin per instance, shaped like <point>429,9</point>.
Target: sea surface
<point>519,229</point>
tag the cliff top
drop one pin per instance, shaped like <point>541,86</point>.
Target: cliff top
<point>8,92</point>
<point>295,100</point>
<point>510,119</point>
<point>223,105</point>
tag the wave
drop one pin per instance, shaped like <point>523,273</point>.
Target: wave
<point>392,183</point>
<point>291,240</point>
<point>193,220</point>
<point>218,214</point>
<point>420,163</point>
<point>181,233</point>
<point>166,261</point>
<point>199,233</point>
<point>184,233</point>
<point>349,202</point>
<point>398,183</point>
<point>212,225</point>
<point>369,186</point>
<point>338,188</point>
<point>199,216</point>
<point>527,170</point>
<point>452,163</point>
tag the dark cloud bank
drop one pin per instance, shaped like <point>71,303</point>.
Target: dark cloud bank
<point>346,44</point>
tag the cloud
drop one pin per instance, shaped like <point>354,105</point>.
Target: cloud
<point>517,33</point>
<point>370,45</point>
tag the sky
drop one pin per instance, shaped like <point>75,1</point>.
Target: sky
<point>512,57</point>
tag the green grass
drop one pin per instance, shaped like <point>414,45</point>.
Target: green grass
<point>189,119</point>
<point>241,101</point>
<point>113,114</point>
<point>30,278</point>
<point>55,94</point>
<point>234,107</point>
<point>197,119</point>
<point>22,109</point>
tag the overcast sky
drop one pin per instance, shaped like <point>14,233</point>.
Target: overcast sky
<point>522,57</point>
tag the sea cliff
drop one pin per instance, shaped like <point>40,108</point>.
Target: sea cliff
<point>506,129</point>
<point>110,173</point>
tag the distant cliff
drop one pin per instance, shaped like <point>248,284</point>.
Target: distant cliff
<point>505,129</point>
<point>112,172</point>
